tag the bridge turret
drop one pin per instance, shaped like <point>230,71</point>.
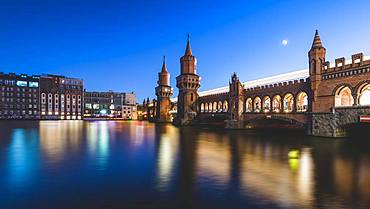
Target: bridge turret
<point>236,98</point>
<point>163,92</point>
<point>316,57</point>
<point>188,83</point>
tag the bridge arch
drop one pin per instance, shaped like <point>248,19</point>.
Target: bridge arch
<point>276,103</point>
<point>302,101</point>
<point>288,102</point>
<point>343,95</point>
<point>257,104</point>
<point>280,118</point>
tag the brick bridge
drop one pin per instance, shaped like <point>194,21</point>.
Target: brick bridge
<point>323,99</point>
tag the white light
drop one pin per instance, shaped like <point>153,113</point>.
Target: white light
<point>284,42</point>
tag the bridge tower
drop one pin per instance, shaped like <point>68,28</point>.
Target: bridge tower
<point>163,92</point>
<point>236,99</point>
<point>188,83</point>
<point>316,57</point>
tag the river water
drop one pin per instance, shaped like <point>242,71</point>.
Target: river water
<point>110,164</point>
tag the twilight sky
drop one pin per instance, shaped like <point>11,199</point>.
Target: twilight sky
<point>119,45</point>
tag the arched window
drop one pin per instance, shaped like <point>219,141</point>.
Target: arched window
<point>201,107</point>
<point>219,106</point>
<point>214,106</point>
<point>257,104</point>
<point>302,102</point>
<point>225,106</point>
<point>249,105</point>
<point>266,104</point>
<point>210,107</point>
<point>288,102</point>
<point>206,107</point>
<point>343,97</point>
<point>364,95</point>
<point>276,103</point>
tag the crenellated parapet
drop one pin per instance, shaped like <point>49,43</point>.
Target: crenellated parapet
<point>346,68</point>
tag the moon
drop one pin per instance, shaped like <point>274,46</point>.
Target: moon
<point>284,42</point>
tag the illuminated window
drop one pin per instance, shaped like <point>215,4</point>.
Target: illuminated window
<point>21,83</point>
<point>33,84</point>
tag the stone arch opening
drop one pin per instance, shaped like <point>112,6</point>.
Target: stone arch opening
<point>257,104</point>
<point>210,107</point>
<point>214,108</point>
<point>225,106</point>
<point>266,104</point>
<point>302,102</point>
<point>364,95</point>
<point>343,97</point>
<point>276,103</point>
<point>249,105</point>
<point>201,107</point>
<point>219,106</point>
<point>288,103</point>
<point>206,107</point>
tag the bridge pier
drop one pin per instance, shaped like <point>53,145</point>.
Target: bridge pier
<point>334,124</point>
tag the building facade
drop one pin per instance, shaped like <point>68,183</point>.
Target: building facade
<point>19,96</point>
<point>103,104</point>
<point>61,98</point>
<point>110,105</point>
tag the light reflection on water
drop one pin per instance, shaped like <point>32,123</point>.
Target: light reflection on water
<point>166,167</point>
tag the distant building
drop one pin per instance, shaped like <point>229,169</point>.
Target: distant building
<point>61,97</point>
<point>19,96</point>
<point>110,105</point>
<point>129,108</point>
<point>103,104</point>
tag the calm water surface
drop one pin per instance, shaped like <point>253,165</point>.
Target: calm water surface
<point>75,164</point>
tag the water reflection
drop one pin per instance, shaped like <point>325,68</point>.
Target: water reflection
<point>162,165</point>
<point>98,141</point>
<point>167,154</point>
<point>57,138</point>
<point>22,154</point>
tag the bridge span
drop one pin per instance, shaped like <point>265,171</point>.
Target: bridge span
<point>323,99</point>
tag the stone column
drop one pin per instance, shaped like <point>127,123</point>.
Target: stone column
<point>355,99</point>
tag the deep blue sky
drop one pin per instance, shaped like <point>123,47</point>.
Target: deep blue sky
<point>119,45</point>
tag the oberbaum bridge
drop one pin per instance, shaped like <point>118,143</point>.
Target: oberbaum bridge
<point>324,99</point>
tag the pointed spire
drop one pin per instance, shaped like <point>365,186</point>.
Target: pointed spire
<point>164,66</point>
<point>188,48</point>
<point>317,41</point>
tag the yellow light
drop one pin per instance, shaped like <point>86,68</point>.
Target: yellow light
<point>293,154</point>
